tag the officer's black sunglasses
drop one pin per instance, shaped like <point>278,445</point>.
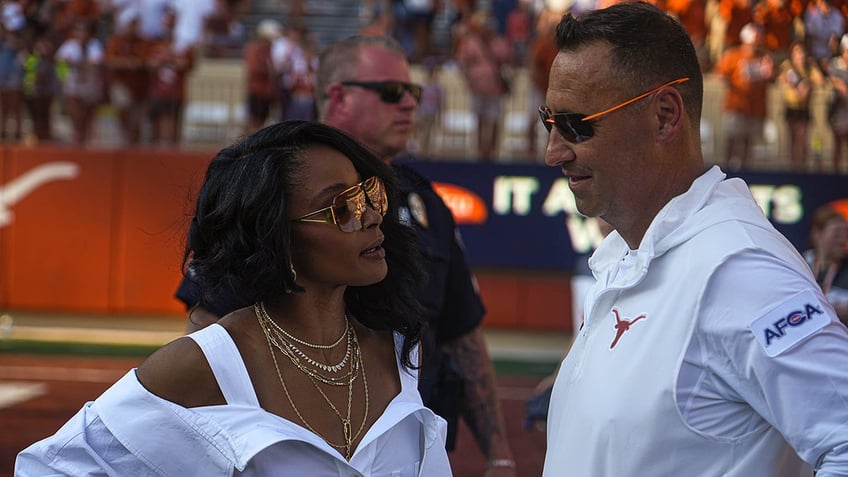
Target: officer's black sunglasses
<point>389,91</point>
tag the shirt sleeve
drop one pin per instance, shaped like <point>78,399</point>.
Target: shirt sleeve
<point>463,309</point>
<point>81,447</point>
<point>802,390</point>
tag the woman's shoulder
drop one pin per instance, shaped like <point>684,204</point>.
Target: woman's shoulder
<point>179,372</point>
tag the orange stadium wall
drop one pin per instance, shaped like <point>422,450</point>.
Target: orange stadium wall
<point>101,232</point>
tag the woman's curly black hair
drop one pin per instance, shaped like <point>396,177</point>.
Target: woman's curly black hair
<point>238,245</point>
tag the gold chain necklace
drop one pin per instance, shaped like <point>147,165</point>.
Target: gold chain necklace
<point>288,348</point>
<point>346,426</point>
<point>342,380</point>
<point>261,309</point>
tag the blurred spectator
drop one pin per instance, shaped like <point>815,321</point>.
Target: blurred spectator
<point>542,54</point>
<point>283,51</point>
<point>262,84</point>
<point>429,110</point>
<point>462,12</point>
<point>823,27</point>
<point>129,79</point>
<point>223,31</point>
<point>826,256</point>
<point>11,76</point>
<point>80,61</point>
<point>736,14</point>
<point>415,20</point>
<point>747,70</point>
<point>692,14</point>
<point>190,21</point>
<point>169,66</point>
<point>519,26</point>
<point>68,13</point>
<point>838,108</point>
<point>41,85</point>
<point>482,55</point>
<point>380,22</point>
<point>12,16</point>
<point>150,12</point>
<point>40,17</point>
<point>500,10</point>
<point>301,80</point>
<point>778,24</point>
<point>799,76</point>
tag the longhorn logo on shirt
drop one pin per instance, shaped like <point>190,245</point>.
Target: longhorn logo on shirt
<point>623,324</point>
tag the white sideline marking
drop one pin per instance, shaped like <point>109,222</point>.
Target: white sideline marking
<point>12,393</point>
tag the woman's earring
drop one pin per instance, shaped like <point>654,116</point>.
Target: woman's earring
<point>293,277</point>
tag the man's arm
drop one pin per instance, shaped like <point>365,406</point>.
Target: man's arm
<point>481,410</point>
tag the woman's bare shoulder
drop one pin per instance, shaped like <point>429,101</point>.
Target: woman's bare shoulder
<point>180,373</point>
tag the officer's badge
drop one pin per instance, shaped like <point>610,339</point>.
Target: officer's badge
<point>419,212</point>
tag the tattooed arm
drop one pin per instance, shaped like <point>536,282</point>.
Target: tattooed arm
<point>481,410</point>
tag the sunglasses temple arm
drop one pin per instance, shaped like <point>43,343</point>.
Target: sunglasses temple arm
<point>619,106</point>
<point>637,98</point>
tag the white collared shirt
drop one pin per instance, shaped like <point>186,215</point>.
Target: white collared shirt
<point>128,431</point>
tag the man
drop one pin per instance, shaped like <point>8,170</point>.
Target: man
<point>363,88</point>
<point>707,347</point>
<point>262,81</point>
<point>747,70</point>
<point>126,61</point>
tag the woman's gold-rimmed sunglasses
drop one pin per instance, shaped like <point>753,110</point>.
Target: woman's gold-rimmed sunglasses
<point>348,206</point>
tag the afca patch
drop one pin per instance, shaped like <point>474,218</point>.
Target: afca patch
<point>790,322</point>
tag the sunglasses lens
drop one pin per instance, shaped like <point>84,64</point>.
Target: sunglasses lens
<point>392,92</point>
<point>570,126</point>
<point>546,120</point>
<point>376,192</point>
<point>566,128</point>
<point>348,208</point>
<point>415,91</point>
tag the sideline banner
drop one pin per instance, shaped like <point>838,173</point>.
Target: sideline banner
<point>102,230</point>
<point>523,216</point>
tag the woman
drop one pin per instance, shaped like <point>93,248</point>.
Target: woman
<point>483,56</point>
<point>317,376</point>
<point>828,257</point>
<point>80,64</point>
<point>799,76</point>
<point>837,113</point>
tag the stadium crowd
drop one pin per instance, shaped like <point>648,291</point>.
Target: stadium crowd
<point>73,57</point>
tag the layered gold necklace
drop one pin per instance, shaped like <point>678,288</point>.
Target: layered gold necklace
<point>319,373</point>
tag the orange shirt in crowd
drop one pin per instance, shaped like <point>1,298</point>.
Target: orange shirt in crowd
<point>737,13</point>
<point>692,14</point>
<point>126,57</point>
<point>746,86</point>
<point>72,11</point>
<point>542,54</point>
<point>777,20</point>
<point>261,78</point>
<point>168,69</point>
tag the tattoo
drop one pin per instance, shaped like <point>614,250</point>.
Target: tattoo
<point>480,410</point>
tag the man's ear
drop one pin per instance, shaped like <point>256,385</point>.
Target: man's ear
<point>335,93</point>
<point>669,114</point>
